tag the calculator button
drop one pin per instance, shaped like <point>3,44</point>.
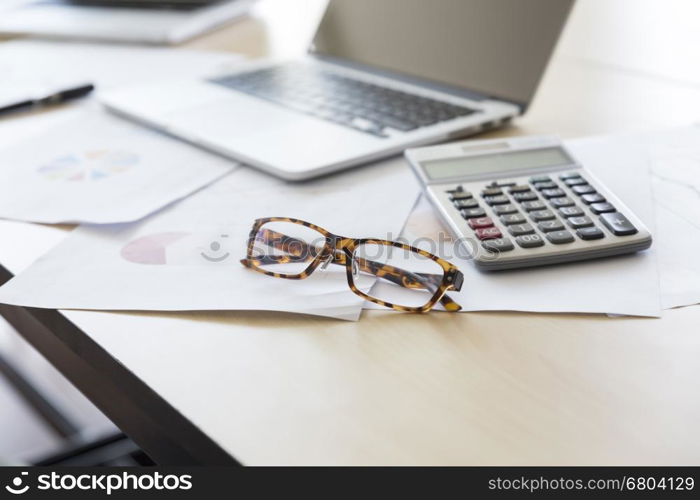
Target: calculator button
<point>505,209</point>
<point>571,211</point>
<point>491,192</point>
<point>560,237</point>
<point>541,215</point>
<point>562,202</point>
<point>511,219</point>
<point>497,200</point>
<point>460,195</point>
<point>457,189</point>
<point>519,229</point>
<point>553,193</point>
<point>533,205</point>
<point>593,198</point>
<point>520,188</point>
<point>540,178</point>
<point>602,208</point>
<point>575,181</point>
<point>579,222</point>
<point>501,183</point>
<point>527,196</point>
<point>530,241</point>
<point>470,213</point>
<point>498,245</point>
<point>583,189</point>
<point>468,203</point>
<point>545,185</point>
<point>570,175</point>
<point>618,224</point>
<point>550,225</point>
<point>590,233</point>
<point>488,233</point>
<point>479,222</point>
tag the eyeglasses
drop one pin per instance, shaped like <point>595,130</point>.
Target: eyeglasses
<point>388,273</point>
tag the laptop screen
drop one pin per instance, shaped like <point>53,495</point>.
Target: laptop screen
<point>495,47</point>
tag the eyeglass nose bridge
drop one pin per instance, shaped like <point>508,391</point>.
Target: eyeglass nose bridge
<point>326,260</point>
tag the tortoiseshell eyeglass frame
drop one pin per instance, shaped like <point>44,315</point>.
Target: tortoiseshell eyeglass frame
<point>339,250</point>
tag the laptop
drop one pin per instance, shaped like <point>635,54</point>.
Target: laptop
<point>379,76</point>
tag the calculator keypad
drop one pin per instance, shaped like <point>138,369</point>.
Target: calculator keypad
<point>498,245</point>
<point>540,215</point>
<point>618,224</point>
<point>480,222</point>
<point>466,203</point>
<point>511,219</point>
<point>560,237</point>
<point>530,241</point>
<point>550,225</point>
<point>470,213</point>
<point>505,209</point>
<point>488,233</point>
<point>531,206</point>
<point>547,210</point>
<point>500,199</point>
<point>520,229</point>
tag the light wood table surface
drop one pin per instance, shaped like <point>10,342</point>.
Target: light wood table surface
<point>472,388</point>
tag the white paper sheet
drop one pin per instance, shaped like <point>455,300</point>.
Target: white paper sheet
<point>101,169</point>
<point>158,264</point>
<point>675,166</point>
<point>626,285</point>
<point>39,64</point>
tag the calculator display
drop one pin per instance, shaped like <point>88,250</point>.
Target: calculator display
<point>495,163</point>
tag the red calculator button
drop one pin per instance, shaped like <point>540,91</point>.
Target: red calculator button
<point>480,222</point>
<point>488,233</point>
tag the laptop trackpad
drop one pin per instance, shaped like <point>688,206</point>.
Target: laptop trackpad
<point>256,129</point>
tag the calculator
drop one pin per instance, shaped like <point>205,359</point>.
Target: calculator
<point>524,202</point>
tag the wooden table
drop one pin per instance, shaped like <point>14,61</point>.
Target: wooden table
<point>473,388</point>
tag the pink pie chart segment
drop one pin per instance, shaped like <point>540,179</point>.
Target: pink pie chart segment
<point>150,249</point>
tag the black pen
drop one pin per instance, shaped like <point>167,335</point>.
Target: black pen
<point>49,100</point>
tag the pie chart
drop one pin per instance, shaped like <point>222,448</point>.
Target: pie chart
<point>92,165</point>
<point>150,249</point>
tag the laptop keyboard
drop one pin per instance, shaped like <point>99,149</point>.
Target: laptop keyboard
<point>360,105</point>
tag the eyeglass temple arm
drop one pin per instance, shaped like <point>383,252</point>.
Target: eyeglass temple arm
<point>301,252</point>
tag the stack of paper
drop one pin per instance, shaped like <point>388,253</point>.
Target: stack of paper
<point>187,256</point>
<point>79,164</point>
